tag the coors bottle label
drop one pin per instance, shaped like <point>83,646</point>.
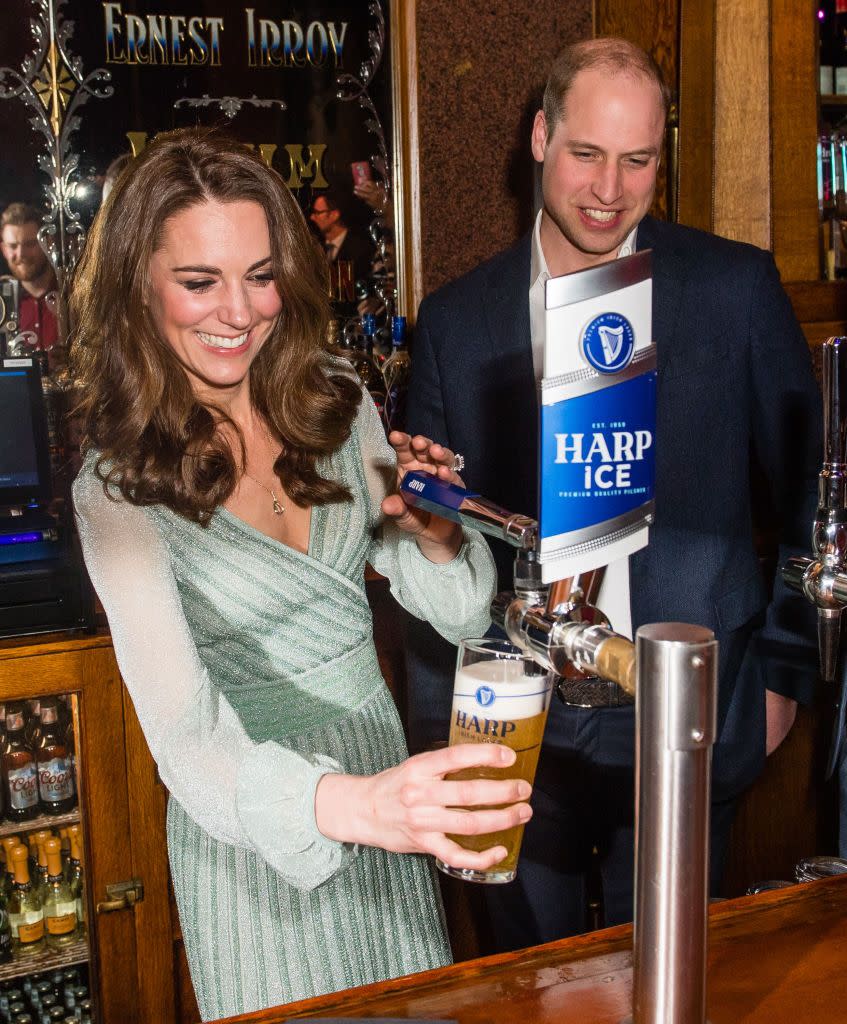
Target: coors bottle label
<point>55,780</point>
<point>23,787</point>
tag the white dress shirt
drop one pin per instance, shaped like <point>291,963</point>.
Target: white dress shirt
<point>613,598</point>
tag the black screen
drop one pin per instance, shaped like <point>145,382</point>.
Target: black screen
<point>19,460</point>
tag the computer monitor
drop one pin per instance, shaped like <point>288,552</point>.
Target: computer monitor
<point>24,451</point>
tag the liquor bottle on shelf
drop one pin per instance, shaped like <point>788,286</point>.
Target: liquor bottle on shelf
<point>32,720</point>
<point>66,847</point>
<point>60,916</point>
<point>395,373</point>
<point>9,843</point>
<point>55,772</point>
<point>39,866</point>
<point>5,932</point>
<point>364,365</point>
<point>26,914</point>
<point>76,876</point>
<point>20,773</point>
<point>70,740</point>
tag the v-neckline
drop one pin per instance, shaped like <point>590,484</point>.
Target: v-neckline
<point>261,535</point>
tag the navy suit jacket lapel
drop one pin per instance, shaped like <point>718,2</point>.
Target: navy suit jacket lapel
<point>669,271</point>
<point>506,309</point>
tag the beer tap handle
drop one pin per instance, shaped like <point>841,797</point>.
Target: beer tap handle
<point>829,635</point>
<point>823,578</point>
<point>616,661</point>
<point>423,490</point>
<point>834,364</point>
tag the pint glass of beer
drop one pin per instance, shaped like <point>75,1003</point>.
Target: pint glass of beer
<point>500,695</point>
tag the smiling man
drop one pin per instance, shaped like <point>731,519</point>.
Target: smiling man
<point>28,263</point>
<point>735,380</point>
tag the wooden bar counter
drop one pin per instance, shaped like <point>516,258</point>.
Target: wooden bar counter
<point>776,958</point>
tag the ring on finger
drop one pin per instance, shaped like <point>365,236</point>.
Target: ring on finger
<point>458,463</point>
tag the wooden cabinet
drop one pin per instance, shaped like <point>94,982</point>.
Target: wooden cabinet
<point>129,951</point>
<point>748,111</point>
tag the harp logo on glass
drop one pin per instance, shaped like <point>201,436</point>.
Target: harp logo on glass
<point>485,696</point>
<point>608,342</point>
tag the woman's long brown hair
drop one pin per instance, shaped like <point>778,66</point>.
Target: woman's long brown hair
<point>156,443</point>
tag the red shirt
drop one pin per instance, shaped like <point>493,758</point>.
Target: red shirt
<point>36,316</point>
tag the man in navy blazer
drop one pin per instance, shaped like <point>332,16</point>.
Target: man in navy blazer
<point>735,384</point>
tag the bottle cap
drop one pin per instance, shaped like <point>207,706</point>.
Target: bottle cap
<point>53,849</point>
<point>9,843</point>
<point>49,712</point>
<point>14,717</point>
<point>20,863</point>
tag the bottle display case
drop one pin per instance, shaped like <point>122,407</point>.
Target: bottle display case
<point>85,924</point>
<point>42,894</point>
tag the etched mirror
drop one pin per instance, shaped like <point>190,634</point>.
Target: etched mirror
<point>84,86</point>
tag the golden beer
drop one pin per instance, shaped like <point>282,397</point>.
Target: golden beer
<point>499,696</point>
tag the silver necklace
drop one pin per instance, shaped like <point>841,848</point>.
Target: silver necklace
<point>279,508</point>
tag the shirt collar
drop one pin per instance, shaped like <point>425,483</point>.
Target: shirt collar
<point>538,264</point>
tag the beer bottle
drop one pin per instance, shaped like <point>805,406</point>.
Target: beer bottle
<point>395,372</point>
<point>20,773</point>
<point>26,915</point>
<point>32,726</point>
<point>55,772</point>
<point>364,364</point>
<point>60,917</point>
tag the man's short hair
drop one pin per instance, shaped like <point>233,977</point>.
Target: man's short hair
<point>607,53</point>
<point>18,214</point>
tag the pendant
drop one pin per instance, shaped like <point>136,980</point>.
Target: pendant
<point>278,509</point>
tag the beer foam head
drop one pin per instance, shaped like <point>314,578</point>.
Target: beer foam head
<point>500,687</point>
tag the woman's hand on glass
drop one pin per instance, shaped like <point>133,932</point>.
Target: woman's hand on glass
<point>439,539</point>
<point>411,808</point>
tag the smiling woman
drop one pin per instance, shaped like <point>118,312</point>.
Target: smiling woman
<point>217,317</point>
<point>236,482</point>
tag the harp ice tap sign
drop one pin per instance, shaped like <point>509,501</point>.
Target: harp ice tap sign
<point>598,417</point>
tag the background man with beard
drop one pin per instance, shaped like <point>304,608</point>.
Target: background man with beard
<point>734,380</point>
<point>28,263</point>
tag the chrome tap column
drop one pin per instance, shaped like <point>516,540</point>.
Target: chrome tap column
<point>823,578</point>
<point>676,699</point>
<point>676,712</point>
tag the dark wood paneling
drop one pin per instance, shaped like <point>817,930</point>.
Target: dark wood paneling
<point>794,132</point>
<point>654,27</point>
<point>789,812</point>
<point>696,112</point>
<point>147,806</point>
<point>818,300</point>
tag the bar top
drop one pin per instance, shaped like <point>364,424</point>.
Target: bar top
<point>776,958</point>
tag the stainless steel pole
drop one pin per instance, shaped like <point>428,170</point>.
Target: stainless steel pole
<point>676,710</point>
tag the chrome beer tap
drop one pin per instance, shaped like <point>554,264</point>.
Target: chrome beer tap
<point>676,725</point>
<point>823,578</point>
<point>557,624</point>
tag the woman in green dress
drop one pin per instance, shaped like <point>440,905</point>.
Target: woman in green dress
<point>235,484</point>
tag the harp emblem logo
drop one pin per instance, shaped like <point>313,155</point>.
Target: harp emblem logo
<point>608,342</point>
